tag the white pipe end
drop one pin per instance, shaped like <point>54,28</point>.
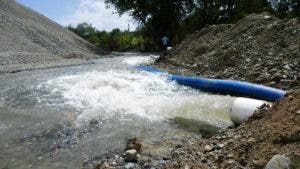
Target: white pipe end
<point>243,108</point>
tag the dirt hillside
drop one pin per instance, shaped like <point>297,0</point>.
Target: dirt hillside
<point>259,48</point>
<point>30,40</point>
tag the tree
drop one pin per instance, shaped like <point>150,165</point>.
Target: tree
<point>114,40</point>
<point>286,8</point>
<point>161,17</point>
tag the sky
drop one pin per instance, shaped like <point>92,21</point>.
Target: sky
<point>73,12</point>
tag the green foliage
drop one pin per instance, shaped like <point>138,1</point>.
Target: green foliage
<point>114,40</point>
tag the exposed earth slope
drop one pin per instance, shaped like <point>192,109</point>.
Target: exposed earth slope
<point>30,40</point>
<point>259,48</point>
<point>271,131</point>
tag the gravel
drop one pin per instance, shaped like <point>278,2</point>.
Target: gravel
<point>259,48</point>
<point>29,40</point>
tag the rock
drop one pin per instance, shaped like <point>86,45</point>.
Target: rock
<point>287,67</point>
<point>129,166</point>
<point>230,162</point>
<point>257,164</point>
<point>131,155</point>
<point>204,160</point>
<point>251,140</point>
<point>277,76</point>
<point>133,144</point>
<point>273,70</point>
<point>113,163</point>
<point>279,162</point>
<point>220,146</point>
<point>208,148</point>
<point>178,146</point>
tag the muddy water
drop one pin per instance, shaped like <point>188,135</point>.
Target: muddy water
<point>63,117</point>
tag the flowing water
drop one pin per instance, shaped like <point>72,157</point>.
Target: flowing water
<point>62,117</point>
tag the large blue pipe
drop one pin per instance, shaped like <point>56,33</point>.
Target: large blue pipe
<point>231,87</point>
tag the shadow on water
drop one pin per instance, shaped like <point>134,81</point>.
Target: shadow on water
<point>195,126</point>
<point>60,136</point>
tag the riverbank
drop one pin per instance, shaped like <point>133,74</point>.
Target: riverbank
<point>273,130</point>
<point>259,48</point>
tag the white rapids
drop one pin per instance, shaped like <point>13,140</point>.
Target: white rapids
<point>112,93</point>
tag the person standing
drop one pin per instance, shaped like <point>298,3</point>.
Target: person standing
<point>165,42</point>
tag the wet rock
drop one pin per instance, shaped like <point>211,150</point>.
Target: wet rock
<point>131,155</point>
<point>133,144</point>
<point>279,162</point>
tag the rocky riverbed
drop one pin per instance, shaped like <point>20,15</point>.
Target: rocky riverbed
<point>268,139</point>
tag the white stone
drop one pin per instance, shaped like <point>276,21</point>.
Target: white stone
<point>208,148</point>
<point>131,155</point>
<point>279,162</point>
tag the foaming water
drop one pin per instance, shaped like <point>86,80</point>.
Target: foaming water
<point>102,95</point>
<point>140,60</point>
<point>69,115</point>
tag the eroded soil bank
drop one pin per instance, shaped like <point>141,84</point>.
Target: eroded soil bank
<point>272,130</point>
<point>260,49</point>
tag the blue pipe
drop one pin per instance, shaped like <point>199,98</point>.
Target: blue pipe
<point>231,87</point>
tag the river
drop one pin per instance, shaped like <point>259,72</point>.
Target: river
<point>63,117</point>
